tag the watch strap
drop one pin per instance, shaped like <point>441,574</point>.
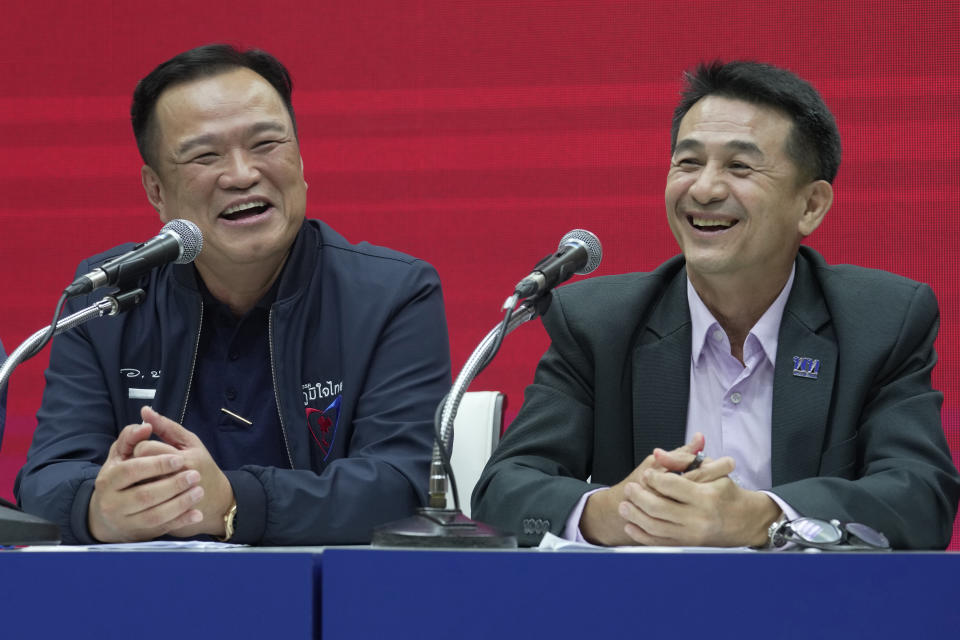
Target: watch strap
<point>229,521</point>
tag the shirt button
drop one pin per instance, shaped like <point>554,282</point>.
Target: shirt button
<point>718,335</point>
<point>234,356</point>
<point>231,393</point>
<point>735,397</point>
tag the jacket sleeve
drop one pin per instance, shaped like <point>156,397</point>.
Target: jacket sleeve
<point>895,473</point>
<point>76,424</point>
<point>384,474</point>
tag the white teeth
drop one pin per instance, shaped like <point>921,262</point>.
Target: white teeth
<point>704,222</point>
<point>244,207</point>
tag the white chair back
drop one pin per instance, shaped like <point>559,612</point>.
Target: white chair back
<point>476,432</point>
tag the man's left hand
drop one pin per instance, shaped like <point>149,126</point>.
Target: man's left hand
<point>683,510</point>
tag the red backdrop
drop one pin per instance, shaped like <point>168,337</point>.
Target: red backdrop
<point>474,134</point>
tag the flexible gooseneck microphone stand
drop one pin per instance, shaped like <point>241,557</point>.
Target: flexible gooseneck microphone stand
<point>111,305</point>
<point>579,252</point>
<point>435,525</point>
<point>479,359</point>
<point>16,527</point>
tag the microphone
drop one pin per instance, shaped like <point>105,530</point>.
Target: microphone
<point>579,253</point>
<point>179,241</point>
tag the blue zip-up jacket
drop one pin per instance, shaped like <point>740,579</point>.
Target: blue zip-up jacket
<point>359,362</point>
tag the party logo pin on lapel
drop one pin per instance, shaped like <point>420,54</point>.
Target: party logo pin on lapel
<point>806,367</point>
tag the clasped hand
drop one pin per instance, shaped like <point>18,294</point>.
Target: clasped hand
<point>658,504</point>
<point>149,488</point>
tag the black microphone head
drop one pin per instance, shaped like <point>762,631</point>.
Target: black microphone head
<point>191,240</point>
<point>590,242</point>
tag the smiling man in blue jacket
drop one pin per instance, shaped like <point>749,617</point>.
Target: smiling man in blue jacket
<point>291,376</point>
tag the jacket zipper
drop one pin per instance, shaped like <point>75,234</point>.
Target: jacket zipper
<point>193,365</point>
<point>276,389</point>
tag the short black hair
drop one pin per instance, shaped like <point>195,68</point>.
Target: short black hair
<point>201,62</point>
<point>814,143</point>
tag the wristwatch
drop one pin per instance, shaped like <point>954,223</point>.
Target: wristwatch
<point>229,521</point>
<point>774,539</point>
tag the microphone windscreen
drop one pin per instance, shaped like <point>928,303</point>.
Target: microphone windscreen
<point>191,240</point>
<point>592,245</point>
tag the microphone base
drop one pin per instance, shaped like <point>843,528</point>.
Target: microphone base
<point>438,529</point>
<point>19,528</point>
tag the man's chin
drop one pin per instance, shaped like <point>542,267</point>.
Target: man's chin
<point>709,263</point>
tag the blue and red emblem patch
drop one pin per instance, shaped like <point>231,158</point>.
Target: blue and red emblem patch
<point>323,425</point>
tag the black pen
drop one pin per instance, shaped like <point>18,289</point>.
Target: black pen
<point>695,463</point>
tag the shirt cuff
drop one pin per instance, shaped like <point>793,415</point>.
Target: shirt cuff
<point>571,531</point>
<point>251,520</point>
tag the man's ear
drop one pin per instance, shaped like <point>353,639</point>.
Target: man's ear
<point>819,198</point>
<point>154,188</point>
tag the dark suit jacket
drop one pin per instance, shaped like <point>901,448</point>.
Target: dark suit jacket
<point>861,442</point>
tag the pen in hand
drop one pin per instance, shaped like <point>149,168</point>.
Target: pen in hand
<point>694,464</point>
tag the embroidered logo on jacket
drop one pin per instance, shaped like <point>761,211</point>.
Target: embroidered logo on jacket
<point>133,376</point>
<point>323,425</point>
<point>320,390</point>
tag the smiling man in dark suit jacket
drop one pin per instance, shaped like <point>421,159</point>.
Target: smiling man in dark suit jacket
<point>806,385</point>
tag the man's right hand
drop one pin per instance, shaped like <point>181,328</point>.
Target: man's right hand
<point>601,522</point>
<point>142,498</point>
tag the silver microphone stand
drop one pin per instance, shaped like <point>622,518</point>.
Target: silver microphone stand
<point>107,306</point>
<point>451,405</point>
<point>435,525</point>
<point>17,527</point>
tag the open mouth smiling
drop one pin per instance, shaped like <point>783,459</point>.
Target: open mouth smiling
<point>711,225</point>
<point>245,210</point>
